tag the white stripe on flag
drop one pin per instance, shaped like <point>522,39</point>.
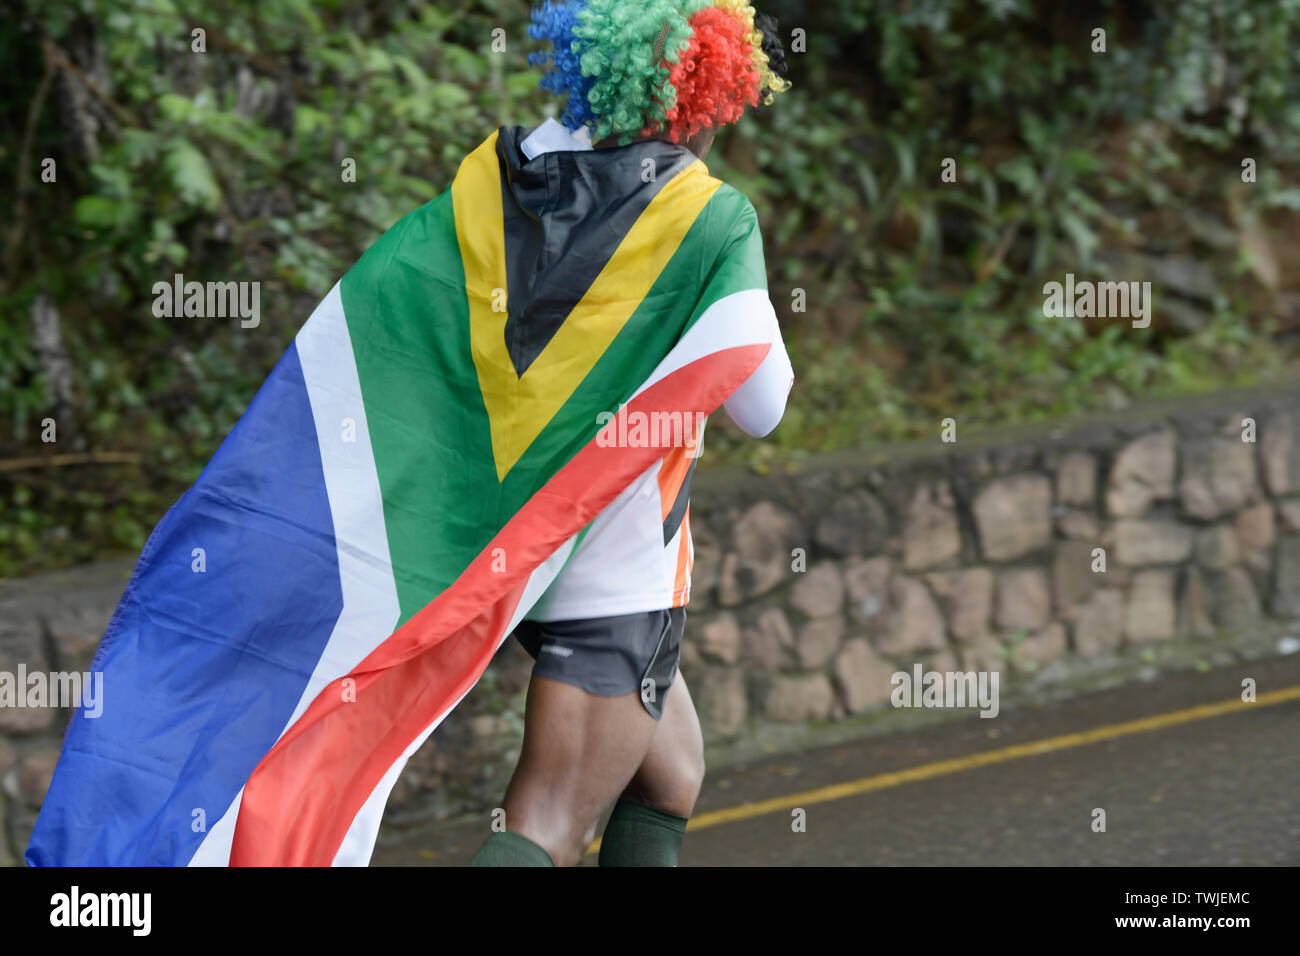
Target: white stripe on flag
<point>359,843</point>
<point>370,607</point>
<point>742,318</point>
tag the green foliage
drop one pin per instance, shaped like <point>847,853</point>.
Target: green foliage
<point>1062,155</point>
<point>923,297</point>
<point>224,165</point>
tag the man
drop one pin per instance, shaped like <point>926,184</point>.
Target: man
<point>609,721</point>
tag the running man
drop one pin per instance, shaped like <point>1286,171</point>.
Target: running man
<point>609,721</point>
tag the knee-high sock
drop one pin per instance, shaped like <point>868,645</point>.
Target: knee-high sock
<point>510,849</point>
<point>639,835</point>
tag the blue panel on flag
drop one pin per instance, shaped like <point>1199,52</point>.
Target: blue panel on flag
<point>201,668</point>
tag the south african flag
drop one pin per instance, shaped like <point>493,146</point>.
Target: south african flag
<point>403,487</point>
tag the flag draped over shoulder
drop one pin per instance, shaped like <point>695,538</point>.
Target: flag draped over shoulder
<point>405,484</point>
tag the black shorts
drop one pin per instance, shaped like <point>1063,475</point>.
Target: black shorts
<point>610,656</point>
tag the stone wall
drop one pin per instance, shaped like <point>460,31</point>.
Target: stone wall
<point>812,588</point>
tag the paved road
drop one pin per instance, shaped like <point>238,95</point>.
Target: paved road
<point>1222,790</point>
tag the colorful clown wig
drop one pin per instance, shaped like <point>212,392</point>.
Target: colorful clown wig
<point>626,68</point>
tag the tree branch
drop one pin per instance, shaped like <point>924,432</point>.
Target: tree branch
<point>56,56</point>
<point>61,461</point>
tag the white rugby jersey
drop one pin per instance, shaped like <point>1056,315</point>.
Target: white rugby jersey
<point>637,554</point>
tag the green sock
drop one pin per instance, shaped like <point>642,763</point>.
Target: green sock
<point>510,849</point>
<point>639,835</point>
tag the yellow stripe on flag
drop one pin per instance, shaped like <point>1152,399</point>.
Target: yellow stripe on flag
<point>519,407</point>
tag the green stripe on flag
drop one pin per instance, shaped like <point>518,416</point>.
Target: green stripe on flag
<point>409,322</point>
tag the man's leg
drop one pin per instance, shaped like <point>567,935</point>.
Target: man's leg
<point>580,751</point>
<point>649,820</point>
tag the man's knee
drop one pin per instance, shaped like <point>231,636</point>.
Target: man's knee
<point>676,792</point>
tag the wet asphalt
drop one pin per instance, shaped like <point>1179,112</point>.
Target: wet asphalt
<point>1216,791</point>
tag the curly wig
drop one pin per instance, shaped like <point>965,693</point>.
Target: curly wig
<point>626,68</point>
<point>715,76</point>
<point>765,43</point>
<point>563,77</point>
